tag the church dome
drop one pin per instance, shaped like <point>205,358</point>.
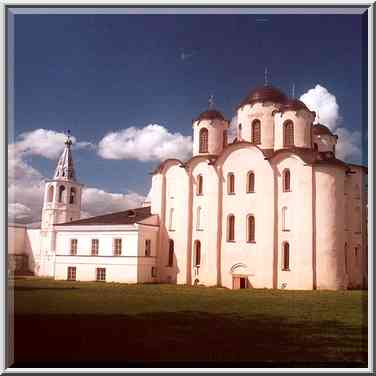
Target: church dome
<point>320,129</point>
<point>265,93</point>
<point>210,115</point>
<point>293,105</point>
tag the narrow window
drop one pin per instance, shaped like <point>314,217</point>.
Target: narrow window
<point>346,258</point>
<point>315,147</point>
<point>250,229</point>
<point>61,193</point>
<point>285,219</point>
<point>170,253</point>
<point>200,182</point>
<point>224,139</point>
<point>71,273</point>
<point>256,132</point>
<point>94,247</point>
<point>288,133</point>
<point>204,140</point>
<point>153,271</point>
<point>286,177</point>
<point>230,183</point>
<point>117,247</point>
<point>357,254</point>
<point>240,131</point>
<point>231,228</point>
<point>72,196</point>
<point>286,256</point>
<point>73,247</point>
<point>250,182</point>
<point>50,193</point>
<point>171,225</point>
<point>197,254</point>
<point>147,247</point>
<point>101,274</point>
<point>198,219</point>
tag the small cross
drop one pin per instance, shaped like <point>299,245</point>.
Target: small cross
<point>266,76</point>
<point>293,90</point>
<point>211,102</point>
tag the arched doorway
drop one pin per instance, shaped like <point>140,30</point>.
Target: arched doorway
<point>240,276</point>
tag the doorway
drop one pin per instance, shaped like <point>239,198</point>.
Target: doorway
<point>239,282</point>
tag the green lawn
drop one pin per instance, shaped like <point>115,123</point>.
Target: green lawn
<point>81,323</point>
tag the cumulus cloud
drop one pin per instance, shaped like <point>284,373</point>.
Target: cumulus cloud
<point>324,103</point>
<point>26,184</point>
<point>152,142</point>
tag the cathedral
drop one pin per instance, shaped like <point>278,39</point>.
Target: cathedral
<point>273,208</point>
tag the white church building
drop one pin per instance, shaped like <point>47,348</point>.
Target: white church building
<point>274,208</point>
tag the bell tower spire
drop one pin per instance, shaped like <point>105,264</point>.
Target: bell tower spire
<point>65,168</point>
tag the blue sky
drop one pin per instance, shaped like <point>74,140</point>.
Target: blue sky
<point>95,74</point>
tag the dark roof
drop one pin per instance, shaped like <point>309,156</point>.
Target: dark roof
<point>293,105</point>
<point>210,115</point>
<point>265,93</point>
<point>127,217</point>
<point>321,129</point>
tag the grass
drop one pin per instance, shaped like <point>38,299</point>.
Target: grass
<point>82,323</point>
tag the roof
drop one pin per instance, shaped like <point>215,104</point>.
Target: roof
<point>319,129</point>
<point>126,217</point>
<point>65,169</point>
<point>210,115</point>
<point>265,93</point>
<point>293,105</point>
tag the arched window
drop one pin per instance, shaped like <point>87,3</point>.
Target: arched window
<point>315,147</point>
<point>288,133</point>
<point>256,132</point>
<point>61,193</point>
<point>72,196</point>
<point>200,183</point>
<point>286,256</point>
<point>204,140</point>
<point>171,219</point>
<point>250,182</point>
<point>250,229</point>
<point>50,193</point>
<point>240,132</point>
<point>198,220</point>
<point>286,177</point>
<point>197,254</point>
<point>224,139</point>
<point>358,224</point>
<point>346,258</point>
<point>170,252</point>
<point>285,219</point>
<point>231,228</point>
<point>230,183</point>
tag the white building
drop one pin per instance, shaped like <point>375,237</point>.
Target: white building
<point>274,208</point>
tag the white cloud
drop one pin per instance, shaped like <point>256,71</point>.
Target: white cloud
<point>152,142</point>
<point>324,104</point>
<point>320,100</point>
<point>26,184</point>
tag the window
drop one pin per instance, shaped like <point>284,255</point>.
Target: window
<point>357,254</point>
<point>117,247</point>
<point>250,229</point>
<point>346,258</point>
<point>61,193</point>
<point>94,247</point>
<point>171,220</point>
<point>285,219</point>
<point>240,131</point>
<point>204,140</point>
<point>198,219</point>
<point>153,271</point>
<point>358,225</point>
<point>200,182</point>
<point>71,273</point>
<point>231,228</point>
<point>170,253</point>
<point>147,247</point>
<point>224,139</point>
<point>50,193</point>
<point>73,247</point>
<point>101,274</point>
<point>286,256</point>
<point>72,196</point>
<point>250,182</point>
<point>197,254</point>
<point>286,177</point>
<point>315,147</point>
<point>256,132</point>
<point>230,183</point>
<point>288,133</point>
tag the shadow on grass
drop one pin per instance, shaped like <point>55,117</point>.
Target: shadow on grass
<point>25,288</point>
<point>184,339</point>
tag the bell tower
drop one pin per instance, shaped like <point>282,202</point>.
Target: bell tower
<point>62,196</point>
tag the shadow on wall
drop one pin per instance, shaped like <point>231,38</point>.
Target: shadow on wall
<point>187,337</point>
